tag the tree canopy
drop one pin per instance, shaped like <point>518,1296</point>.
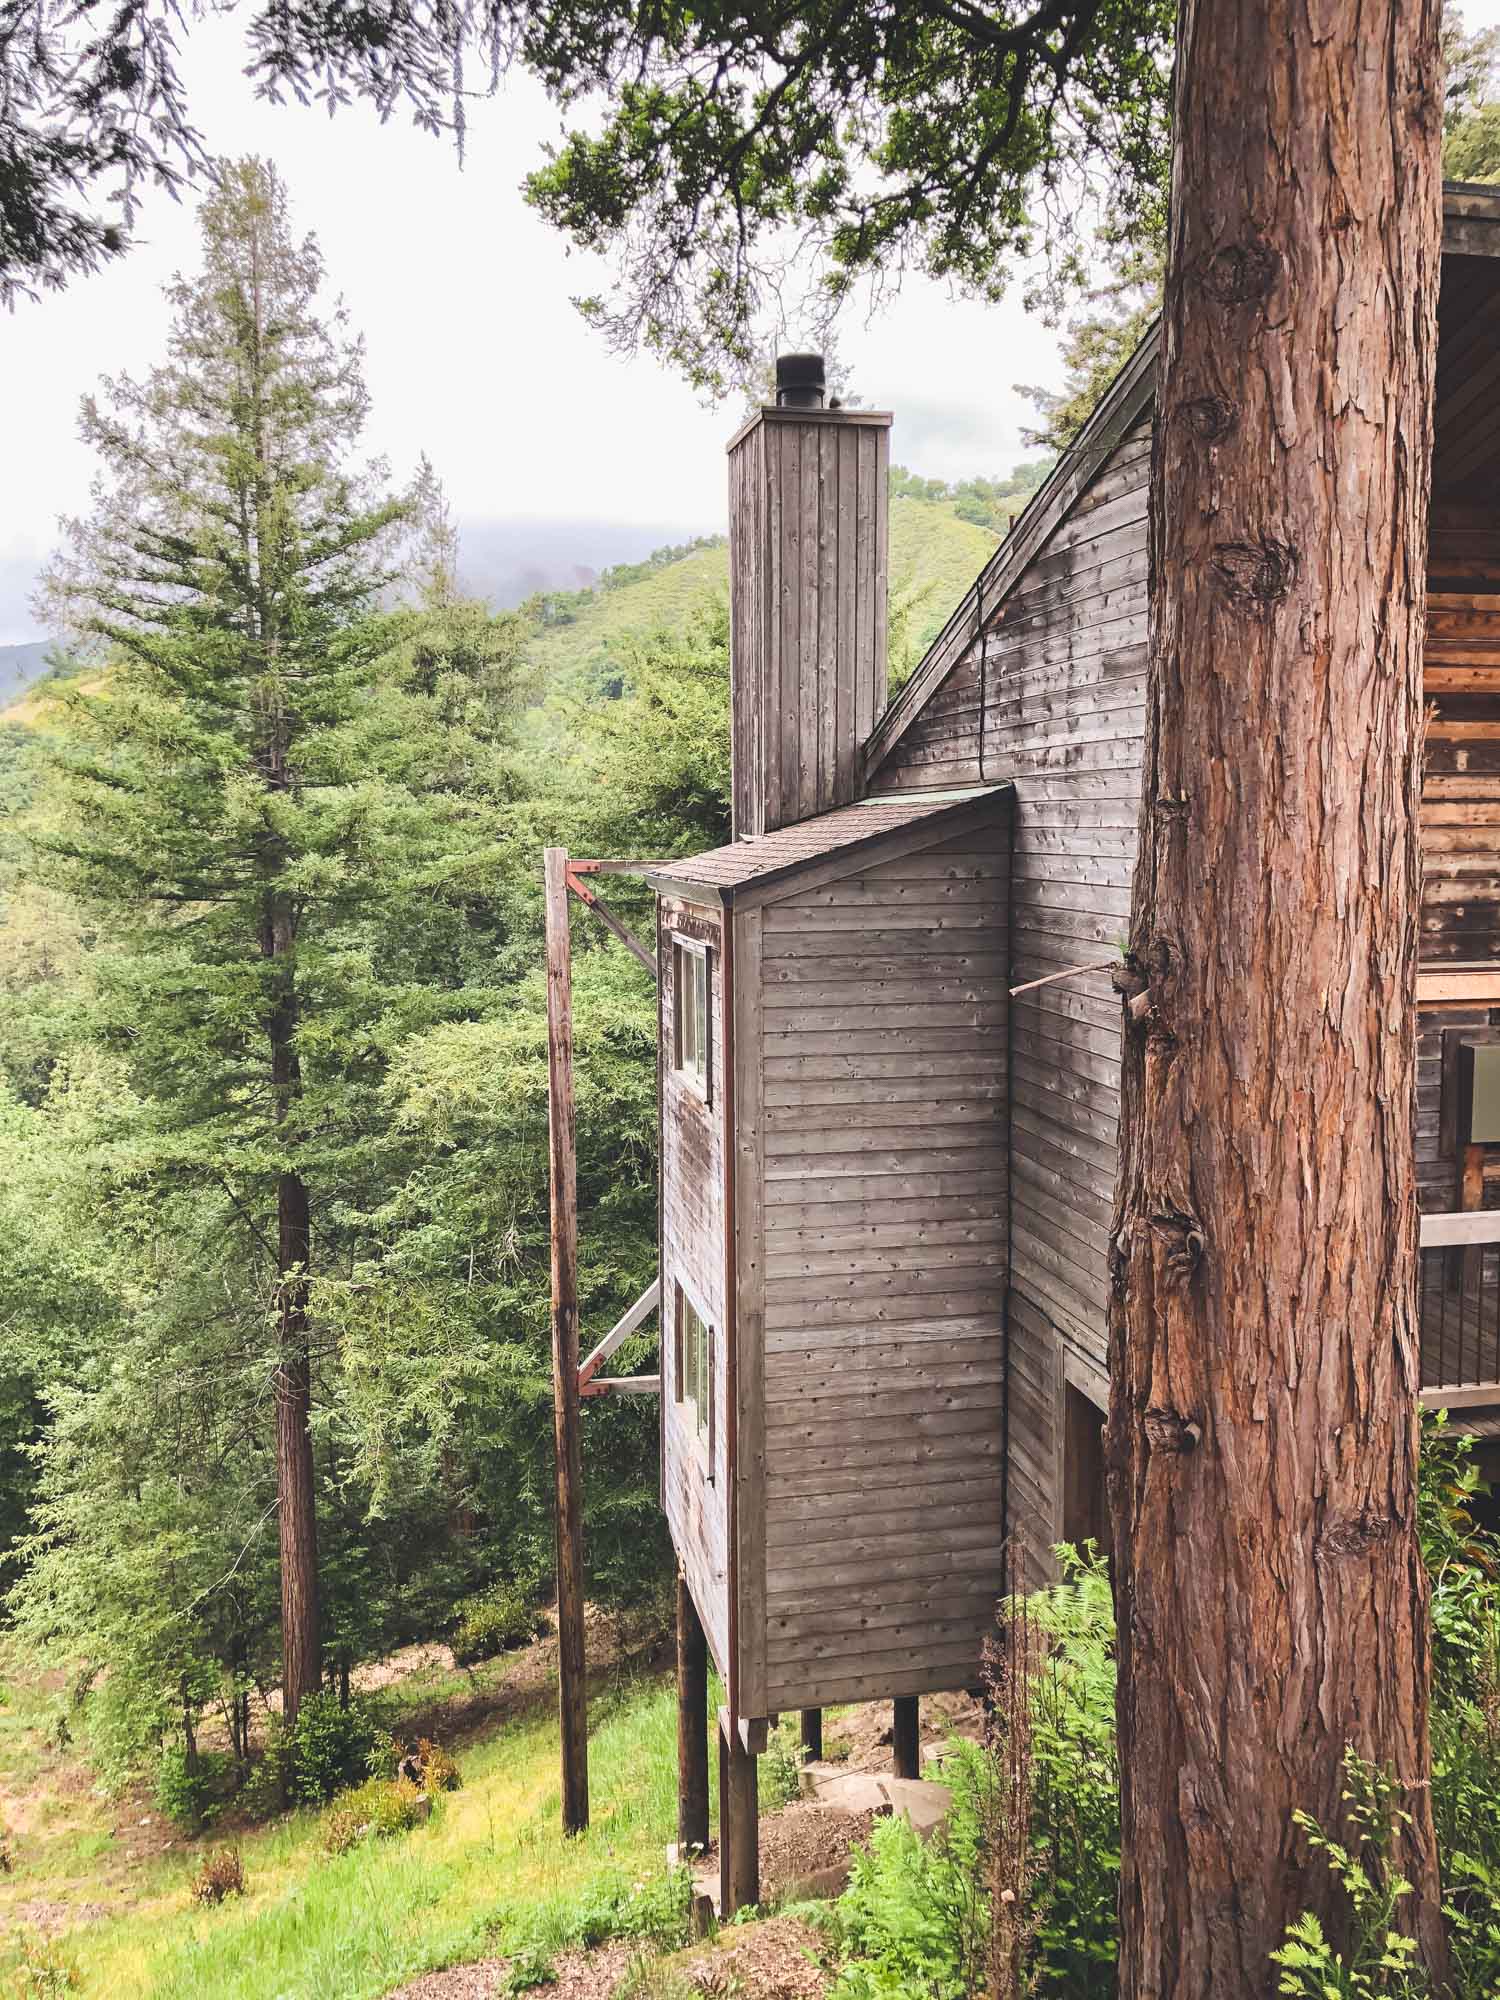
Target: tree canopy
<point>718,155</point>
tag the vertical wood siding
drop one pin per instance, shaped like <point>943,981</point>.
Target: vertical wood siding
<point>883,1139</point>
<point>808,516</point>
<point>693,1192</point>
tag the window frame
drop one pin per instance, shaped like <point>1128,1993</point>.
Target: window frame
<point>695,1362</point>
<point>692,977</point>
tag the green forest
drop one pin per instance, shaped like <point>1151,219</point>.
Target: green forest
<point>277,1655</point>
<point>272,1031</point>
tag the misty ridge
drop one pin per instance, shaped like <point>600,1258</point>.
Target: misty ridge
<point>503,561</point>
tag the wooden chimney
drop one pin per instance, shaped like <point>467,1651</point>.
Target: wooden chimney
<point>808,536</point>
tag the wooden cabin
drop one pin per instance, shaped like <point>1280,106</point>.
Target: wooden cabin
<point>886,1185</point>
<point>833,1247</point>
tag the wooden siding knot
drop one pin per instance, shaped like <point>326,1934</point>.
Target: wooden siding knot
<point>1169,1430</point>
<point>1257,574</point>
<point>1236,274</point>
<point>1349,1536</point>
<point>1209,418</point>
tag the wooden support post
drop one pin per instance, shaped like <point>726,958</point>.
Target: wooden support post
<point>692,1725</point>
<point>739,1823</point>
<point>572,1688</point>
<point>906,1736</point>
<point>812,1735</point>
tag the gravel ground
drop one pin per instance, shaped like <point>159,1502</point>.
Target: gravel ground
<point>766,1961</point>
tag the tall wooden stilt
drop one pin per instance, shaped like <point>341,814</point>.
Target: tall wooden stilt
<point>906,1736</point>
<point>692,1725</point>
<point>812,1734</point>
<point>572,1689</point>
<point>739,1823</point>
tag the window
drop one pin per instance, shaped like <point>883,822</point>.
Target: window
<point>693,1052</point>
<point>695,1371</point>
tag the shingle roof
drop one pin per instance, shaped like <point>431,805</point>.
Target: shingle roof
<point>750,863</point>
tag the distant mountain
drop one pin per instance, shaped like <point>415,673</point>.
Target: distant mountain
<point>20,666</point>
<point>935,556</point>
<point>509,561</point>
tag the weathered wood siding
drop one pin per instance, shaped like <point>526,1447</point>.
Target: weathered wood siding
<point>1060,711</point>
<point>883,1138</point>
<point>808,530</point>
<point>1052,697</point>
<point>693,1252</point>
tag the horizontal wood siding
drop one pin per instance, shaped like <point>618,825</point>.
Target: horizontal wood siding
<point>808,533</point>
<point>693,1191</point>
<point>1052,697</point>
<point>883,1136</point>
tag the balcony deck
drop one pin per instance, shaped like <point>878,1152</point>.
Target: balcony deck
<point>1460,1307</point>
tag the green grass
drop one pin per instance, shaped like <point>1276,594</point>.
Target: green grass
<point>488,1873</point>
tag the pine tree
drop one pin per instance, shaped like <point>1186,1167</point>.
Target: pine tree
<point>215,802</point>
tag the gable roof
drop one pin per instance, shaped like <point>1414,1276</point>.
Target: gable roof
<point>772,860</point>
<point>1471,228</point>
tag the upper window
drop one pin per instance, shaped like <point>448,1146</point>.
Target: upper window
<point>693,1053</point>
<point>695,1370</point>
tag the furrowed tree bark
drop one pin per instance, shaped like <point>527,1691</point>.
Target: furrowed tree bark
<point>1263,1430</point>
<point>301,1637</point>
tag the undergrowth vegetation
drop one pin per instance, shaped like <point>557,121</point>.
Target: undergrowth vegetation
<point>1016,1896</point>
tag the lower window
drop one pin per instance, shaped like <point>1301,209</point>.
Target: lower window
<point>695,1370</point>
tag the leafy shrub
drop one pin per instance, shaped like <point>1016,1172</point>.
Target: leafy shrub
<point>266,1788</point>
<point>1075,1779</point>
<point>499,1621</point>
<point>379,1807</point>
<point>531,1967</point>
<point>913,1918</point>
<point>328,1747</point>
<point>780,1772</point>
<point>190,1791</point>
<point>659,1911</point>
<point>342,1829</point>
<point>437,1769</point>
<point>222,1874</point>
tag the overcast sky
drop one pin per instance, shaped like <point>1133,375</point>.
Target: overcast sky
<point>475,354</point>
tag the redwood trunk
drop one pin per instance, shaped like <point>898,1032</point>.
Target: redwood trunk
<point>1263,1431</point>
<point>301,1645</point>
<point>301,1652</point>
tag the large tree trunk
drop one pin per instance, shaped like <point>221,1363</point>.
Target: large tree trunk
<point>301,1647</point>
<point>301,1653</point>
<point>1271,1596</point>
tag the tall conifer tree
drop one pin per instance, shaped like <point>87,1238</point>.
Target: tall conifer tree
<point>229,567</point>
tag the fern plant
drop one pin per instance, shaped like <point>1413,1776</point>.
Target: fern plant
<point>1380,1962</point>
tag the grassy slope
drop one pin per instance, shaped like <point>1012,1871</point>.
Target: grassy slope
<point>489,1871</point>
<point>934,558</point>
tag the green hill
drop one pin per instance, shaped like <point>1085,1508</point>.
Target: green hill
<point>935,556</point>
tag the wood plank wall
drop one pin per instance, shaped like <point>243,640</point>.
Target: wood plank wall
<point>808,556</point>
<point>1062,712</point>
<point>884,1002</point>
<point>693,1195</point>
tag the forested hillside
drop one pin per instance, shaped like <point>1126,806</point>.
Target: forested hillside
<point>273,1230</point>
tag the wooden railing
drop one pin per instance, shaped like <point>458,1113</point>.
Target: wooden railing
<point>1459,1294</point>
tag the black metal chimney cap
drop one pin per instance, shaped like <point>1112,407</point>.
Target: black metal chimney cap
<point>801,381</point>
